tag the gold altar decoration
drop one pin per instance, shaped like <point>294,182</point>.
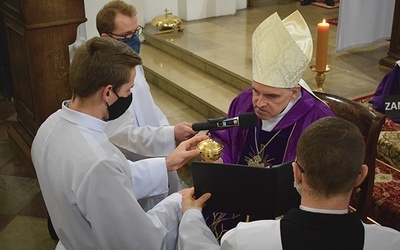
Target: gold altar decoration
<point>210,150</point>
<point>166,21</point>
<point>320,77</point>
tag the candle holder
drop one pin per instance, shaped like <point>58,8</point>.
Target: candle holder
<point>320,77</point>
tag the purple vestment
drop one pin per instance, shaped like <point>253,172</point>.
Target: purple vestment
<point>307,110</point>
<point>390,85</point>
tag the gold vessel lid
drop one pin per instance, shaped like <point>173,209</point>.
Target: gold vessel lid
<point>209,145</point>
<point>166,21</point>
<point>210,150</point>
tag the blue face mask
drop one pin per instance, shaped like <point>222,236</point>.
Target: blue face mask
<point>133,42</point>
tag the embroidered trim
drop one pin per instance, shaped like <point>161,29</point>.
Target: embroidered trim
<point>287,144</point>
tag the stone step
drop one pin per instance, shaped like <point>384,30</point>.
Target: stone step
<point>199,90</point>
<point>173,44</point>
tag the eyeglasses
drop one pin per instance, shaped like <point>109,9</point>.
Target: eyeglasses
<point>300,167</point>
<point>138,31</point>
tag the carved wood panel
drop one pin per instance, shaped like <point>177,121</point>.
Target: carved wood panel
<point>38,33</point>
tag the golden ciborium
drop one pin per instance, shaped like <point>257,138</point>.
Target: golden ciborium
<point>166,21</point>
<point>210,150</point>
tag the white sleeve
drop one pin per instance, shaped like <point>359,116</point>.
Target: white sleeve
<point>107,200</point>
<point>168,215</point>
<point>194,233</point>
<point>145,111</point>
<point>252,236</point>
<point>380,237</point>
<point>148,141</point>
<point>161,117</point>
<point>149,177</point>
<point>143,129</point>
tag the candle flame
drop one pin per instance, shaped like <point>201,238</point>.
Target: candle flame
<point>323,20</point>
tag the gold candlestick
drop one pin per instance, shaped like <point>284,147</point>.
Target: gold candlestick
<point>320,77</point>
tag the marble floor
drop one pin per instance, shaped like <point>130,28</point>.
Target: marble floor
<point>354,73</point>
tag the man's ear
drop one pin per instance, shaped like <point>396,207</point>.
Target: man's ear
<point>104,35</point>
<point>296,173</point>
<point>106,92</point>
<point>295,92</point>
<point>361,176</point>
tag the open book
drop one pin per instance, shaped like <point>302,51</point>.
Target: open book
<point>263,192</point>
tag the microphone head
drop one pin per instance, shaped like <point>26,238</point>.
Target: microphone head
<point>248,120</point>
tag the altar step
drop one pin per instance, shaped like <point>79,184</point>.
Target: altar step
<point>195,81</point>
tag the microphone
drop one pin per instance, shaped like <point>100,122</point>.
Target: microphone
<point>244,120</point>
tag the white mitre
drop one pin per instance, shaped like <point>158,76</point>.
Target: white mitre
<point>282,50</point>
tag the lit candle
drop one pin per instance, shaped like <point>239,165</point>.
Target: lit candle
<point>322,46</point>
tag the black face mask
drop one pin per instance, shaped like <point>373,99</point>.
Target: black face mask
<point>119,107</point>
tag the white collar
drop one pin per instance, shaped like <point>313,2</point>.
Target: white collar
<point>323,211</point>
<point>269,125</point>
<point>81,119</point>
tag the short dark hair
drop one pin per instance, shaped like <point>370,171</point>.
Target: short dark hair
<point>105,18</point>
<point>331,150</point>
<point>99,62</point>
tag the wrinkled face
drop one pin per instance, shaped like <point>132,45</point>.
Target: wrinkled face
<point>268,102</point>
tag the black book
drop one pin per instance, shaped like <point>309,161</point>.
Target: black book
<point>266,193</point>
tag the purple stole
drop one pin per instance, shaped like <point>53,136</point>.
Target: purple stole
<point>270,149</point>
